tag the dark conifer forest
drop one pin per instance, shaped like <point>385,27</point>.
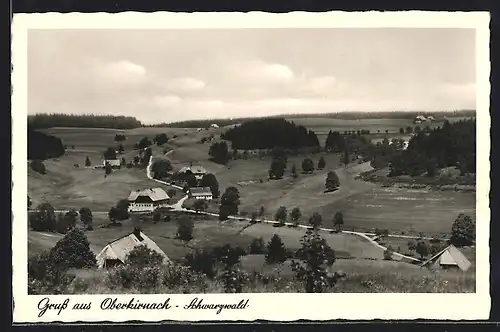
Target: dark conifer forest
<point>42,146</point>
<point>39,121</point>
<point>454,144</point>
<point>270,133</point>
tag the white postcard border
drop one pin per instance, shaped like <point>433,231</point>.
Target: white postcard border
<point>273,307</point>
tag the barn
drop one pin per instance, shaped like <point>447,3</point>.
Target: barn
<point>115,253</point>
<point>147,200</point>
<point>449,258</point>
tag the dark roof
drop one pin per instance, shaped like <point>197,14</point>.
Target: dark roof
<point>200,191</point>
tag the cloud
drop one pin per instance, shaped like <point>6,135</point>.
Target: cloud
<point>183,84</point>
<point>121,72</point>
<point>257,71</point>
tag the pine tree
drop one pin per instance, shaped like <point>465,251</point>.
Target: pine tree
<point>276,251</point>
<point>87,162</point>
<point>321,163</point>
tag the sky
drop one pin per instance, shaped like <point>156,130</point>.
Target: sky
<point>174,75</point>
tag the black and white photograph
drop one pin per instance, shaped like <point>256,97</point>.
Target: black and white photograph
<point>247,161</point>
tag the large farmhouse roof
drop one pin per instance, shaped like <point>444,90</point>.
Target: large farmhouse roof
<point>155,194</point>
<point>120,248</point>
<point>200,191</point>
<point>112,162</point>
<point>450,256</point>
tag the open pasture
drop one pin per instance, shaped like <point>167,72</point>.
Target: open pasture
<point>403,211</point>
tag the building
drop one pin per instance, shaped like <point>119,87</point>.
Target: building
<point>449,258</point>
<point>200,193</point>
<point>430,118</point>
<point>214,125</point>
<point>115,253</point>
<point>115,163</point>
<point>147,200</point>
<point>197,170</point>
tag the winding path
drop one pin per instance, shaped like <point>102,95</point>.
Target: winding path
<point>178,207</point>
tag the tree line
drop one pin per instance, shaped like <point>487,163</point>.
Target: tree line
<point>42,146</point>
<point>43,120</point>
<point>270,133</point>
<point>453,144</point>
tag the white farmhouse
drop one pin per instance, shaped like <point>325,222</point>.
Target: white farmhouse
<point>197,170</point>
<point>147,200</point>
<point>200,193</point>
<point>112,162</point>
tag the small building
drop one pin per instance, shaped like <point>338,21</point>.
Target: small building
<point>448,258</point>
<point>430,118</point>
<point>147,200</point>
<point>419,119</point>
<point>200,193</point>
<point>214,125</point>
<point>115,163</point>
<point>115,253</point>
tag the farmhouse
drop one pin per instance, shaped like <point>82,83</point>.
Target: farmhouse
<point>430,118</point>
<point>214,125</point>
<point>420,119</point>
<point>200,193</point>
<point>197,170</point>
<point>115,253</point>
<point>449,258</point>
<point>112,162</point>
<point>147,200</point>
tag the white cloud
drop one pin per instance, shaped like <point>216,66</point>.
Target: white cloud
<point>260,72</point>
<point>165,101</point>
<point>184,84</point>
<point>121,72</point>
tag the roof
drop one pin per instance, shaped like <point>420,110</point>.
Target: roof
<point>194,169</point>
<point>156,194</point>
<point>450,256</point>
<point>198,191</point>
<point>112,162</point>
<point>119,248</point>
<point>214,125</point>
<point>420,117</point>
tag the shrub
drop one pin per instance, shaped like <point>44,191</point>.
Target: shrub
<point>200,205</point>
<point>202,261</point>
<point>295,215</point>
<point>44,219</point>
<point>463,231</point>
<point>257,246</point>
<point>316,220</point>
<point>280,214</point>
<point>315,255</point>
<point>321,163</point>
<point>223,213</point>
<point>108,169</point>
<point>156,216</point>
<point>62,225</point>
<point>185,229</point>
<point>422,249</point>
<point>86,217</point>
<point>388,254</point>
<point>234,280</point>
<point>38,166</point>
<point>276,251</point>
<point>262,210</point>
<point>87,161</point>
<point>338,221</point>
<point>141,256</point>
<point>307,165</point>
<point>412,245</point>
<point>228,255</point>
<point>332,181</point>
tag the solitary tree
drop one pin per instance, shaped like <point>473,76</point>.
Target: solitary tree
<point>185,229</point>
<point>86,217</point>
<point>276,251</point>
<point>108,169</point>
<point>277,169</point>
<point>316,220</point>
<point>72,251</point>
<point>87,161</point>
<point>307,165</point>
<point>463,231</point>
<point>332,181</point>
<point>223,213</point>
<point>315,256</point>
<point>257,246</point>
<point>295,215</point>
<point>338,220</point>
<point>44,219</point>
<point>422,249</point>
<point>120,148</point>
<point>321,163</point>
<point>231,200</point>
<point>281,215</point>
<point>294,171</point>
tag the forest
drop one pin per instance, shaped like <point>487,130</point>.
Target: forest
<point>42,146</point>
<point>269,133</point>
<point>39,121</point>
<point>454,144</point>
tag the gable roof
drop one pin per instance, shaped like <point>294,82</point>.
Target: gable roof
<point>200,191</point>
<point>450,256</point>
<point>119,248</point>
<point>194,169</point>
<point>156,194</point>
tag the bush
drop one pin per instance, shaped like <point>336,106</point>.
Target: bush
<point>316,256</point>
<point>234,280</point>
<point>388,254</point>
<point>295,215</point>
<point>156,216</point>
<point>86,217</point>
<point>316,220</point>
<point>202,261</point>
<point>141,256</point>
<point>185,229</point>
<point>200,205</point>
<point>276,251</point>
<point>62,225</point>
<point>422,249</point>
<point>44,219</point>
<point>257,246</point>
<point>280,214</point>
<point>38,166</point>
<point>463,231</point>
